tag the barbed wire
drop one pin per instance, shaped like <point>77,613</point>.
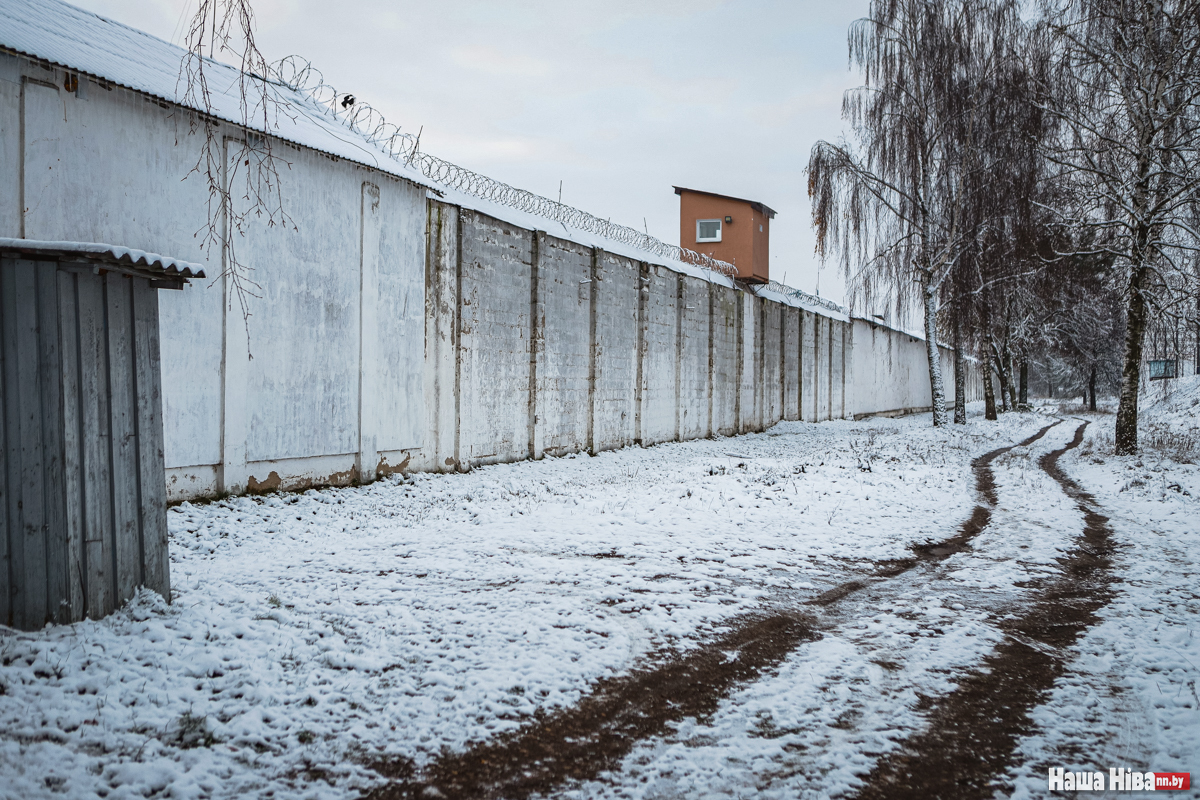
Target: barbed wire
<point>301,76</point>
<point>812,299</point>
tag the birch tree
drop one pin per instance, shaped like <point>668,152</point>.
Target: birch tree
<point>889,199</point>
<point>1128,97</point>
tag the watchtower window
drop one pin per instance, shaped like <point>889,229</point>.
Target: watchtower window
<point>708,230</point>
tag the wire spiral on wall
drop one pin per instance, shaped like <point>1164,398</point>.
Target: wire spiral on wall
<point>299,75</point>
<point>811,299</point>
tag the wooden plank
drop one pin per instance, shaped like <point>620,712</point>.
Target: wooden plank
<point>98,565</point>
<point>68,326</point>
<point>30,538</point>
<point>58,588</point>
<point>8,383</point>
<point>152,483</point>
<point>123,414</point>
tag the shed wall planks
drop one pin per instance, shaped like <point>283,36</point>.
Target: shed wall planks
<point>58,599</point>
<point>83,482</point>
<point>152,523</point>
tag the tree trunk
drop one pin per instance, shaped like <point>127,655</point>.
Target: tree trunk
<point>989,393</point>
<point>1012,381</point>
<point>1135,335</point>
<point>998,364</point>
<point>1092,389</point>
<point>960,375</point>
<point>1024,382</point>
<point>936,387</point>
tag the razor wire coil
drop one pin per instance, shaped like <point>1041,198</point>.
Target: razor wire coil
<point>302,77</point>
<point>811,299</point>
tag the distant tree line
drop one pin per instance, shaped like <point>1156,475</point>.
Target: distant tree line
<point>1026,178</point>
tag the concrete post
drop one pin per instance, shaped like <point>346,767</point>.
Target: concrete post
<point>639,389</point>
<point>235,367</point>
<point>367,459</point>
<point>593,300</point>
<point>535,334</point>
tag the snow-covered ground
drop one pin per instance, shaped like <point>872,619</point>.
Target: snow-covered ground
<point>1131,698</point>
<point>310,634</point>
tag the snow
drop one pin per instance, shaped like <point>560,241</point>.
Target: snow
<point>138,258</point>
<point>798,302</point>
<point>1131,698</point>
<point>313,632</point>
<point>92,44</point>
<point>80,40</point>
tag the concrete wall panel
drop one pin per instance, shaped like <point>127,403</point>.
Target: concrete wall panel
<point>563,346</point>
<point>693,359</point>
<point>772,358</point>
<point>726,364</point>
<point>398,396</point>
<point>303,361</point>
<point>660,356</point>
<point>808,366</point>
<point>791,363</point>
<point>496,284</point>
<point>616,286</point>
<point>837,386</point>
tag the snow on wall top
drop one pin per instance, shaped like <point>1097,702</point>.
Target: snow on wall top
<point>80,40</point>
<point>150,262</point>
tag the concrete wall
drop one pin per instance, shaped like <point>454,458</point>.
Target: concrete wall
<point>889,373</point>
<point>326,373</point>
<point>393,332</point>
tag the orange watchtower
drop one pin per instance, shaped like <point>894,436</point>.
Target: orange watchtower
<point>727,228</point>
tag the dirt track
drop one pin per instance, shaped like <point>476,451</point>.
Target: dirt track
<point>972,731</point>
<point>591,737</point>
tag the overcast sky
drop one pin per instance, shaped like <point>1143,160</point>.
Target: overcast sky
<point>618,99</point>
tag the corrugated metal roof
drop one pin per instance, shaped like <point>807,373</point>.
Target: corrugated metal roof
<point>89,43</point>
<point>150,263</point>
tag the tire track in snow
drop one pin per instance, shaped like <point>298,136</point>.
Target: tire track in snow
<point>593,736</point>
<point>981,515</point>
<point>973,732</point>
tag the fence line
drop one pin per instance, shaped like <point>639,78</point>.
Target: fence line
<point>301,76</point>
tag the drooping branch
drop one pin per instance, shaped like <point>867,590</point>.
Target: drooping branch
<point>241,171</point>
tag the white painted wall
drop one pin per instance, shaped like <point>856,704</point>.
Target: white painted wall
<point>108,165</point>
<point>394,332</point>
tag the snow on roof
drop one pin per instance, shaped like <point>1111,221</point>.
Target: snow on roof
<point>802,300</point>
<point>124,256</point>
<point>80,40</point>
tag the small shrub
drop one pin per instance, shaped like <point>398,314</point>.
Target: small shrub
<point>192,731</point>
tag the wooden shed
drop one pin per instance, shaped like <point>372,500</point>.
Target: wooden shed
<point>82,493</point>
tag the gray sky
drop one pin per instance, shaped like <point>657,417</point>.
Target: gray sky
<point>618,99</point>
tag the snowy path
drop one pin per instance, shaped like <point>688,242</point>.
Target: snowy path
<point>313,635</point>
<point>888,652</point>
